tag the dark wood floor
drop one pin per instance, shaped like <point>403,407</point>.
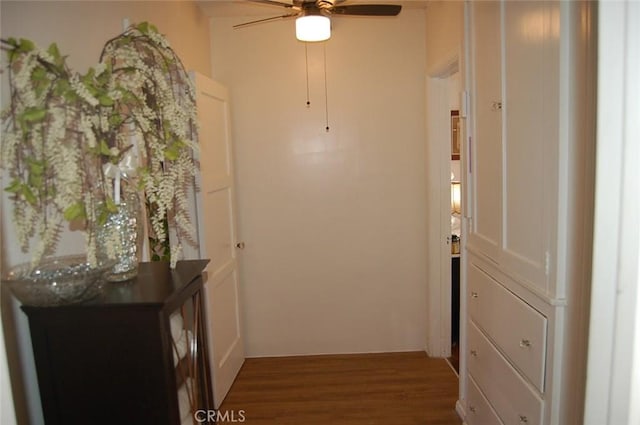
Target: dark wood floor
<point>389,389</point>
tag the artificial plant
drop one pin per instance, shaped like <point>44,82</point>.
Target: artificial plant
<point>63,131</point>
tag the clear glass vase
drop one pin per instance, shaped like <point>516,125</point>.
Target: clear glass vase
<point>120,238</point>
<point>57,280</point>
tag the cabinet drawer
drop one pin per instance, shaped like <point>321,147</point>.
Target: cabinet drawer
<point>480,411</point>
<point>509,394</point>
<point>516,328</point>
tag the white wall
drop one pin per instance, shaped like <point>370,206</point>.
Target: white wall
<point>613,371</point>
<point>333,222</point>
<point>80,29</point>
<point>444,30</point>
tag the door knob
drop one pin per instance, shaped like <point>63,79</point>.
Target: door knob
<point>240,245</point>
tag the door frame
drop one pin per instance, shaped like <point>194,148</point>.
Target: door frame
<point>438,150</point>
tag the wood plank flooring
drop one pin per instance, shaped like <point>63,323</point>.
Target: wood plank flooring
<point>369,389</point>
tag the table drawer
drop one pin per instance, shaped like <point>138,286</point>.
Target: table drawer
<point>516,328</point>
<point>480,411</point>
<point>513,399</point>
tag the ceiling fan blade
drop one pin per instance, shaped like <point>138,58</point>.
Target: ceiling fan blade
<point>367,9</point>
<point>259,21</point>
<point>273,3</point>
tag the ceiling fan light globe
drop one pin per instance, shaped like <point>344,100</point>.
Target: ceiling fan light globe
<point>313,28</point>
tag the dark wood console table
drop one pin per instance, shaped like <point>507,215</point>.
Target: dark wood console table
<point>135,355</point>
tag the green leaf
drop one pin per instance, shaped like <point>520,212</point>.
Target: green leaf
<point>106,209</point>
<point>26,45</point>
<point>111,205</point>
<point>36,167</point>
<point>36,173</point>
<point>39,80</point>
<point>33,115</point>
<point>14,187</point>
<point>104,148</point>
<point>172,153</point>
<point>62,87</point>
<point>115,120</point>
<point>28,194</point>
<point>75,211</point>
<point>89,75</point>
<point>104,78</point>
<point>143,27</point>
<point>105,100</point>
<point>36,181</point>
<point>39,74</point>
<point>12,52</point>
<point>103,216</point>
<point>55,53</point>
<point>70,95</point>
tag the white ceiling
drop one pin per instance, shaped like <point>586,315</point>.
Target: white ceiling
<point>225,8</point>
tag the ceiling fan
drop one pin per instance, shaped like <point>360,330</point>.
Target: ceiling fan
<point>312,16</point>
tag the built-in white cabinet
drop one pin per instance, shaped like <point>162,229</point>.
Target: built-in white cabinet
<point>530,137</point>
<point>514,150</point>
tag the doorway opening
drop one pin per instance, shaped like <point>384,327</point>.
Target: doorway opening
<point>444,221</point>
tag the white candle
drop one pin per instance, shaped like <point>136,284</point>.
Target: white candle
<point>116,187</point>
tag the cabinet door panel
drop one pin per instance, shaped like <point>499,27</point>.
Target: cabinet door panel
<point>531,132</point>
<point>486,143</point>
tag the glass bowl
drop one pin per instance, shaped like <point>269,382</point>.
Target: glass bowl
<point>57,281</point>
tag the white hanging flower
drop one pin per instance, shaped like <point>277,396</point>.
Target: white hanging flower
<point>82,91</point>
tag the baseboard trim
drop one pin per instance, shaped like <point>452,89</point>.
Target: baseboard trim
<point>460,410</point>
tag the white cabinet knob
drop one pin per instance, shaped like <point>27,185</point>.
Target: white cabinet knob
<point>523,419</point>
<point>474,295</point>
<point>474,353</point>
<point>472,409</point>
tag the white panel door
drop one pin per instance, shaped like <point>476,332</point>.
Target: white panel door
<point>217,235</point>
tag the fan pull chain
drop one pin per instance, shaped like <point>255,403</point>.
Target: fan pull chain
<point>326,93</point>
<point>306,64</point>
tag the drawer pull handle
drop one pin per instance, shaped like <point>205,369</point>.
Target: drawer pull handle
<point>525,343</point>
<point>523,419</point>
<point>472,409</point>
<point>474,295</point>
<point>474,353</point>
